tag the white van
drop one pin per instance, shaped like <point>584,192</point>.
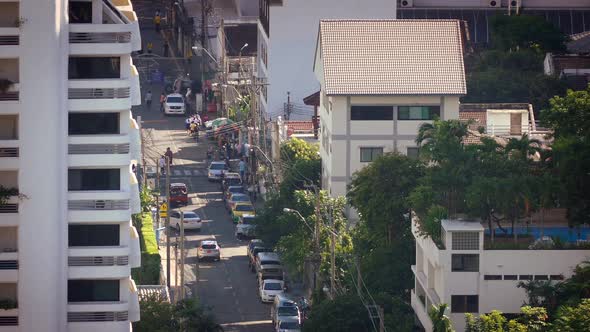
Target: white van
<point>174,104</point>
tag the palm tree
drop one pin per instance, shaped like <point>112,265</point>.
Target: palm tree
<point>524,147</point>
<point>440,321</point>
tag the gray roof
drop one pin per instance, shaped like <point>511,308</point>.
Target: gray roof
<point>392,57</point>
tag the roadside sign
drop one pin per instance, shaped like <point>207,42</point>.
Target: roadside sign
<point>163,210</point>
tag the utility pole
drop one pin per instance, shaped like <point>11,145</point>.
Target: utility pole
<point>358,276</point>
<point>139,125</point>
<point>181,255</point>
<point>317,255</point>
<point>333,256</point>
<point>288,106</point>
<point>223,69</point>
<point>204,9</point>
<point>158,196</point>
<point>176,293</point>
<point>168,221</point>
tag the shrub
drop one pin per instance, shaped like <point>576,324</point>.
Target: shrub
<point>149,272</point>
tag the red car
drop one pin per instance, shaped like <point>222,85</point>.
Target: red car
<point>178,194</point>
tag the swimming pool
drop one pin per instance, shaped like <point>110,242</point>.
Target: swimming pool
<point>564,233</point>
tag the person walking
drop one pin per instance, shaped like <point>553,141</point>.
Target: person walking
<point>148,99</point>
<point>157,21</point>
<point>169,155</point>
<point>162,100</point>
<point>150,47</point>
<point>162,164</point>
<point>242,168</point>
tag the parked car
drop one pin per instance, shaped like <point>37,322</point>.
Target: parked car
<point>234,199</point>
<point>253,249</point>
<point>209,124</point>
<point>268,266</point>
<point>240,209</point>
<point>191,220</point>
<point>174,104</point>
<point>208,249</point>
<point>230,179</point>
<point>284,308</point>
<point>270,288</point>
<point>216,171</point>
<point>233,190</point>
<point>245,227</point>
<point>288,325</point>
<point>178,194</point>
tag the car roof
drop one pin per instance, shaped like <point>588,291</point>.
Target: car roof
<point>174,95</point>
<point>232,174</point>
<point>268,255</point>
<point>234,187</point>
<point>285,301</point>
<point>239,194</point>
<point>244,203</point>
<point>267,281</point>
<point>288,319</point>
<point>208,242</point>
<point>218,162</point>
<point>177,184</point>
<point>247,215</point>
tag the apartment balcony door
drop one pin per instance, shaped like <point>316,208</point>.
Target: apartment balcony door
<point>516,124</point>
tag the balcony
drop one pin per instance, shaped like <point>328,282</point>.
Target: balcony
<point>99,154</point>
<point>134,248</point>
<point>133,302</point>
<point>9,144</point>
<point>99,95</point>
<point>135,86</point>
<point>98,262</point>
<point>9,31</point>
<point>420,311</point>
<point>135,139</point>
<point>9,80</point>
<point>8,255</point>
<point>100,39</point>
<point>241,67</point>
<point>99,206</point>
<point>9,317</point>
<point>98,316</point>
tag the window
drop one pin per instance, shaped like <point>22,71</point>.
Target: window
<point>464,303</point>
<point>465,240</point>
<point>94,67</point>
<point>541,277</point>
<point>370,154</point>
<point>413,152</point>
<point>525,277</point>
<point>371,113</point>
<point>94,179</point>
<point>465,263</point>
<point>93,290</point>
<point>556,277</point>
<point>492,277</point>
<point>93,123</point>
<point>80,11</point>
<point>418,112</point>
<point>93,235</point>
<point>510,277</point>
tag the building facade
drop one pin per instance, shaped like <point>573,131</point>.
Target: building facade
<point>287,42</point>
<point>467,273</point>
<point>380,80</point>
<point>67,145</point>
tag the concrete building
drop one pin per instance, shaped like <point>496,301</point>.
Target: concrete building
<point>67,143</point>
<point>379,81</point>
<point>287,41</point>
<point>465,271</point>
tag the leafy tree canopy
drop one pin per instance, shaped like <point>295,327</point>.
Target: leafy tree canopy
<point>526,31</point>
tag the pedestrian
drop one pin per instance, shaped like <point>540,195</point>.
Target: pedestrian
<point>150,46</point>
<point>162,164</point>
<point>162,100</point>
<point>252,193</point>
<point>187,126</point>
<point>242,168</point>
<point>148,99</point>
<point>169,155</point>
<point>157,21</point>
<point>166,47</point>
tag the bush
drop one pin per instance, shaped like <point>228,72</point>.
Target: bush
<point>149,272</point>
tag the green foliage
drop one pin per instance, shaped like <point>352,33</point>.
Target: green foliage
<point>298,149</point>
<point>526,32</point>
<point>345,313</point>
<point>573,318</point>
<point>187,315</point>
<point>531,320</point>
<point>147,200</point>
<point>440,321</point>
<point>430,223</point>
<point>241,109</point>
<point>149,272</point>
<point>7,304</point>
<point>6,193</point>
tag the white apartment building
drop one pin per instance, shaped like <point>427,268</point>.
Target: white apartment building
<point>380,80</point>
<point>287,43</point>
<point>67,143</point>
<point>465,273</point>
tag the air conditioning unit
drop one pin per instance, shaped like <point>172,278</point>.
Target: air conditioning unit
<point>495,3</point>
<point>406,3</point>
<point>515,4</point>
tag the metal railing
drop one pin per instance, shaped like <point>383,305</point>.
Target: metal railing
<point>98,148</point>
<point>9,96</point>
<point>510,130</point>
<point>247,63</point>
<point>84,205</point>
<point>98,93</point>
<point>8,320</point>
<point>99,37</point>
<point>8,208</point>
<point>9,265</point>
<point>106,316</point>
<point>8,152</point>
<point>98,261</point>
<point>9,40</point>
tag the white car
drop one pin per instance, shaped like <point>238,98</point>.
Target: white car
<point>245,228</point>
<point>288,325</point>
<point>209,124</point>
<point>216,170</point>
<point>174,104</point>
<point>208,249</point>
<point>270,288</point>
<point>191,220</point>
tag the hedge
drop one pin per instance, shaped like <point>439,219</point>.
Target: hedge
<point>149,272</point>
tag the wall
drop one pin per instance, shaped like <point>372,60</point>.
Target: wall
<point>9,69</point>
<point>8,14</point>
<point>293,36</point>
<point>484,3</point>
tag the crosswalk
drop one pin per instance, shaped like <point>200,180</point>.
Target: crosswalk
<point>187,172</point>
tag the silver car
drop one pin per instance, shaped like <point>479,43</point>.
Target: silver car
<point>216,170</point>
<point>288,325</point>
<point>208,249</point>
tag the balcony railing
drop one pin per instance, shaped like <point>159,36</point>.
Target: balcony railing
<point>9,208</point>
<point>247,64</point>
<point>82,205</point>
<point>8,152</point>
<point>98,261</point>
<point>113,316</point>
<point>99,37</point>
<point>98,148</point>
<point>9,40</point>
<point>8,320</point>
<point>12,94</point>
<point>98,93</point>
<point>9,265</point>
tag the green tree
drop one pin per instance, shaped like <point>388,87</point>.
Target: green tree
<point>158,315</point>
<point>440,321</point>
<point>524,31</point>
<point>345,313</point>
<point>531,319</point>
<point>573,318</point>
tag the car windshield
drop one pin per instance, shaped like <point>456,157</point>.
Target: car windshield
<point>244,208</point>
<point>174,100</point>
<point>288,311</point>
<point>272,286</point>
<point>270,262</point>
<point>288,325</point>
<point>217,166</point>
<point>209,246</point>
<point>190,215</point>
<point>247,220</point>
<point>235,190</point>
<point>177,191</point>
<point>240,198</point>
<point>233,181</point>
